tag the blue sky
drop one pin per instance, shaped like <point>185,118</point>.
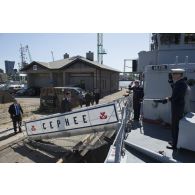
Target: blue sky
<point>119,46</point>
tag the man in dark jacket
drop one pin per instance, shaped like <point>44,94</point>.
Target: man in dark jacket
<point>177,99</point>
<point>66,105</point>
<point>87,98</point>
<point>138,95</point>
<point>15,111</point>
<point>92,97</point>
<point>96,96</point>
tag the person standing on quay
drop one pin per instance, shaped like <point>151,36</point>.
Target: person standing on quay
<point>15,111</point>
<point>66,105</point>
<point>97,96</point>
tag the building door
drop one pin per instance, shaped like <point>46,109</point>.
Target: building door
<point>57,79</point>
<point>39,80</point>
<point>85,81</point>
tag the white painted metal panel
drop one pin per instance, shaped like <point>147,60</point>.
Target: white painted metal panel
<point>92,117</point>
<point>156,111</point>
<point>186,135</point>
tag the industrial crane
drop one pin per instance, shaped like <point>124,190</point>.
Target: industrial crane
<point>23,50</point>
<point>100,49</point>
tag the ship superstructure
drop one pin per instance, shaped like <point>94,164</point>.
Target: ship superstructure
<point>168,50</point>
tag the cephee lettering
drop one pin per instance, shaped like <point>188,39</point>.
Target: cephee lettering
<point>88,117</point>
<point>50,124</point>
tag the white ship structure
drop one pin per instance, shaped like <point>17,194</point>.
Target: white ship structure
<point>167,51</point>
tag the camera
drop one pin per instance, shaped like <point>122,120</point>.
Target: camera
<point>170,78</point>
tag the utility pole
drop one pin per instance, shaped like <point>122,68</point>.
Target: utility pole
<point>100,49</point>
<point>29,55</point>
<point>52,56</point>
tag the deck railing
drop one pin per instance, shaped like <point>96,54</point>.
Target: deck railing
<point>116,149</point>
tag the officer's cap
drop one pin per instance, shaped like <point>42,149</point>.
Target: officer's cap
<point>177,71</point>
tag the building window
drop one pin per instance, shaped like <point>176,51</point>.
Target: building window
<point>103,84</point>
<point>170,38</point>
<point>154,44</point>
<point>34,67</point>
<point>189,38</point>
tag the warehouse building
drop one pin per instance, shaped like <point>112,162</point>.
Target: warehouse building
<point>73,71</point>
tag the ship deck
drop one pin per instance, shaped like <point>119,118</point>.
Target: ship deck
<point>153,138</point>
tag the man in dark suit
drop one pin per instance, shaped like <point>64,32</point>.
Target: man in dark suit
<point>179,89</point>
<point>87,98</point>
<point>15,111</point>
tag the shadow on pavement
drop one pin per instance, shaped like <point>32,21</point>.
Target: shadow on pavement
<point>7,136</point>
<point>157,131</point>
<point>37,156</point>
<point>184,156</point>
<point>140,155</point>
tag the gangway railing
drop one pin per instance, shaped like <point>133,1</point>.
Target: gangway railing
<point>116,149</point>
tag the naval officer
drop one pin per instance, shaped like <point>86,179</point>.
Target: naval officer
<point>138,95</point>
<point>179,89</point>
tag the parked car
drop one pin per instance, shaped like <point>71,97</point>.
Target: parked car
<point>31,91</point>
<point>12,89</point>
<point>21,92</point>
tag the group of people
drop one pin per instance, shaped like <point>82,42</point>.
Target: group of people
<point>89,99</point>
<point>178,101</point>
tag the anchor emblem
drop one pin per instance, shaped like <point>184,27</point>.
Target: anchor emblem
<point>103,115</point>
<point>33,128</point>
